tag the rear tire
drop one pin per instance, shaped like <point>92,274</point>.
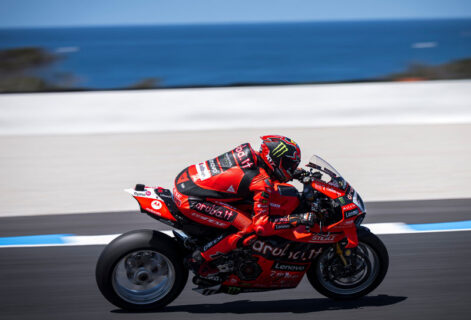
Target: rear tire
<point>372,254</point>
<point>141,270</point>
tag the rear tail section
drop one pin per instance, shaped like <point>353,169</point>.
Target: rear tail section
<point>156,202</point>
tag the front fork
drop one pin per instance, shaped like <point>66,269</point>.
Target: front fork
<point>339,252</point>
<point>343,253</point>
<point>352,242</point>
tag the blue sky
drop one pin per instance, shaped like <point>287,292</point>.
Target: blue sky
<point>45,13</point>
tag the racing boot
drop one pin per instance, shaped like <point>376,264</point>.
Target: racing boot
<point>212,262</point>
<point>202,267</point>
<point>206,272</point>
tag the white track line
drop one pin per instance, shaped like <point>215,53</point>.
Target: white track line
<point>376,228</point>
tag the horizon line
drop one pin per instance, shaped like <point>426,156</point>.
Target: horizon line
<point>232,23</point>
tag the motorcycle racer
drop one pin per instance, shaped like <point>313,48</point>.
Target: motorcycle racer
<point>209,193</point>
<point>224,208</point>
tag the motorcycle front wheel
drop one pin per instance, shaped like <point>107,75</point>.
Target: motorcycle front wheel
<point>141,270</point>
<point>365,270</point>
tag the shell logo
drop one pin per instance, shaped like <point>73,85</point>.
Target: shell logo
<point>157,205</point>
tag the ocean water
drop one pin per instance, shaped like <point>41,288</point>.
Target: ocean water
<point>228,54</point>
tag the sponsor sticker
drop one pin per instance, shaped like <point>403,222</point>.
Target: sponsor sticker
<point>154,212</point>
<point>288,267</point>
<point>213,166</point>
<point>280,150</point>
<point>157,205</point>
<point>213,242</point>
<point>210,220</point>
<point>270,160</point>
<point>203,171</point>
<point>242,154</point>
<point>213,210</point>
<point>350,194</point>
<point>183,178</point>
<point>145,193</point>
<point>279,219</point>
<point>177,197</point>
<point>282,226</point>
<point>318,237</point>
<point>233,290</point>
<point>349,206</point>
<point>351,213</point>
<point>226,161</point>
<point>273,251</point>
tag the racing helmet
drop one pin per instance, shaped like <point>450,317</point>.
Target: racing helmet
<point>281,155</point>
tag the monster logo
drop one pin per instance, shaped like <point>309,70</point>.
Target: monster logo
<point>280,150</point>
<point>284,147</point>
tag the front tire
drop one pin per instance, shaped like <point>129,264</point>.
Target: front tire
<point>330,278</point>
<point>141,270</point>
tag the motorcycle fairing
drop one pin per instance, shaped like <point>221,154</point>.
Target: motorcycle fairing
<point>152,203</point>
<point>350,204</point>
<point>274,275</point>
<point>327,189</point>
<point>277,248</point>
<point>284,200</point>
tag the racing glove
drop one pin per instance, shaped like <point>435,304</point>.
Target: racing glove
<point>306,219</point>
<point>299,173</point>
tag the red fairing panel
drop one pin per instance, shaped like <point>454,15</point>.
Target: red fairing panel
<point>275,274</point>
<point>300,234</point>
<point>327,189</point>
<point>151,203</point>
<point>283,203</point>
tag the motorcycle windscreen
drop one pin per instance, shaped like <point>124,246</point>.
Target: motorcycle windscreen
<point>327,173</point>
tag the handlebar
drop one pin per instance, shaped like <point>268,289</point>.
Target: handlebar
<point>301,175</point>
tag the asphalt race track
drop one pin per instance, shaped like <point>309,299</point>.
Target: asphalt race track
<point>429,275</point>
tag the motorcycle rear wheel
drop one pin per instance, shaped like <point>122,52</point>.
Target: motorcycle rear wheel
<point>141,270</point>
<point>371,254</point>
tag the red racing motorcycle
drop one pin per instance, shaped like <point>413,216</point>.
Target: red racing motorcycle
<point>147,269</point>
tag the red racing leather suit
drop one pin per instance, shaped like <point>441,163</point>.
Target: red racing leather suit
<point>209,192</point>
